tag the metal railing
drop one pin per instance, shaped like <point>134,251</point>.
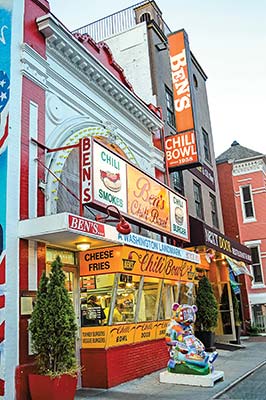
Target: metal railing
<point>115,23</point>
<point>260,322</point>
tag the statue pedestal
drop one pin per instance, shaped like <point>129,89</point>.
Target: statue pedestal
<point>192,380</point>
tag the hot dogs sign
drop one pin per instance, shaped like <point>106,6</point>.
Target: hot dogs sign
<point>107,179</point>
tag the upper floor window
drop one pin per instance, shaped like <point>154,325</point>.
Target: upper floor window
<point>206,146</point>
<point>214,214</point>
<point>256,264</point>
<point>145,17</point>
<point>170,111</point>
<point>247,203</point>
<point>177,181</point>
<point>198,200</point>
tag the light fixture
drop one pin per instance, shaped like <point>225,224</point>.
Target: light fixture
<point>122,227</point>
<point>83,246</point>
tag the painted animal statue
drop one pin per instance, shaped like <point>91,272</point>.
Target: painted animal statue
<point>187,353</point>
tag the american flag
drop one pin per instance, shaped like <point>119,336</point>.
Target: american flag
<point>4,97</point>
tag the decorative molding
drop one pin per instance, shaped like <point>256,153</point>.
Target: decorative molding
<point>33,66</point>
<point>249,167</point>
<point>64,47</point>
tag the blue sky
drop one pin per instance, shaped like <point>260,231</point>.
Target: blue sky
<point>228,39</point>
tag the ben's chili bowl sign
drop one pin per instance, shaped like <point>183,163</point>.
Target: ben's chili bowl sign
<point>158,265</point>
<point>136,261</point>
<point>180,80</point>
<point>147,200</point>
<point>181,149</point>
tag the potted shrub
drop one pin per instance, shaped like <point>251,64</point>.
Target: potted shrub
<point>53,333</point>
<point>207,314</point>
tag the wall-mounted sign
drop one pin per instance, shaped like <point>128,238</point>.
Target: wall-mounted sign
<point>182,150</point>
<point>126,259</point>
<point>179,61</point>
<point>121,334</point>
<point>202,234</point>
<point>148,201</point>
<point>205,174</point>
<point>94,337</point>
<point>133,239</point>
<point>110,180</point>
<point>85,225</point>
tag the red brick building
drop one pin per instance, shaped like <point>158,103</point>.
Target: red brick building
<point>242,181</point>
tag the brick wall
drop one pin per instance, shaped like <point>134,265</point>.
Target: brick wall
<point>105,368</point>
<point>228,200</point>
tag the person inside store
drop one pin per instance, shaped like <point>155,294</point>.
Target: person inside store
<point>94,312</point>
<point>117,315</point>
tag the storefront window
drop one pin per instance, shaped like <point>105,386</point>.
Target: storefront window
<point>187,293</point>
<point>126,300</point>
<point>96,294</point>
<point>149,301</point>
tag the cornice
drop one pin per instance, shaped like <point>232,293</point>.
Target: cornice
<point>65,47</point>
<point>249,166</point>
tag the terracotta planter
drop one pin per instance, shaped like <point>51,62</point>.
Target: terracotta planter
<point>43,387</point>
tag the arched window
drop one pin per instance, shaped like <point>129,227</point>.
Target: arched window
<point>145,17</point>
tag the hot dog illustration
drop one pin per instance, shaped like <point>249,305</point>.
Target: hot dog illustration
<point>111,180</point>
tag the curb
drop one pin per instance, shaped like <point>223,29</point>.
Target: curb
<point>234,383</point>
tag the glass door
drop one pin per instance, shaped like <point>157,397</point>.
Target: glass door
<point>225,330</point>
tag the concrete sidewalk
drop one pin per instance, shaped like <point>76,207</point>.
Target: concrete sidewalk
<point>235,365</point>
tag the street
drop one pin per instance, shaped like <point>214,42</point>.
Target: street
<point>253,387</point>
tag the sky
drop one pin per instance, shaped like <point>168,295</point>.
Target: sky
<point>228,39</point>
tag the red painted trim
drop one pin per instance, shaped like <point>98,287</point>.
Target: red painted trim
<point>23,264</point>
<point>2,387</point>
<point>2,331</point>
<point>3,269</point>
<point>2,301</point>
<point>3,138</point>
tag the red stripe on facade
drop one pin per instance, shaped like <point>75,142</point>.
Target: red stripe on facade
<point>34,93</point>
<point>3,138</point>
<point>2,301</point>
<point>3,269</point>
<point>2,331</point>
<point>23,265</point>
<point>2,387</point>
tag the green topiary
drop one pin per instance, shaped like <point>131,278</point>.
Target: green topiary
<point>52,326</point>
<point>207,314</point>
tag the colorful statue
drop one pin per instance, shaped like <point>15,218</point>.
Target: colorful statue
<point>187,353</point>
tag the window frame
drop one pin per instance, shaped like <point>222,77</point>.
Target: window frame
<point>170,109</point>
<point>206,146</point>
<point>243,204</point>
<point>198,202</point>
<point>214,212</point>
<point>257,264</point>
<point>178,189</point>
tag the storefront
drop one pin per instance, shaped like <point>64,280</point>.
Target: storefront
<point>228,262</point>
<point>133,281</point>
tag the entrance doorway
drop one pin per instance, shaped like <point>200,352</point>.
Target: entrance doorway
<point>225,331</point>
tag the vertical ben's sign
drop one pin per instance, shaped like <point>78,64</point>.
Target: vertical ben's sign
<point>181,149</point>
